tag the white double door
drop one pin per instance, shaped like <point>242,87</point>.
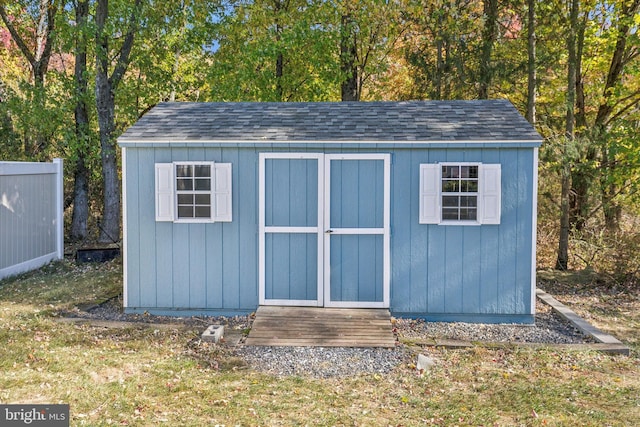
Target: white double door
<point>324,229</point>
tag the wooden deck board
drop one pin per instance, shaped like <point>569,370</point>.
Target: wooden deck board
<point>321,327</point>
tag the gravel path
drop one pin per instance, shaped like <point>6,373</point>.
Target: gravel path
<point>549,329</point>
<point>325,362</point>
<point>321,362</point>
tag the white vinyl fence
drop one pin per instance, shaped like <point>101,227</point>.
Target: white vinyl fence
<point>31,215</point>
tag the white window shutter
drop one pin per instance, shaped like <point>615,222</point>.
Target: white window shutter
<point>164,192</point>
<point>222,202</point>
<point>490,193</point>
<point>429,194</point>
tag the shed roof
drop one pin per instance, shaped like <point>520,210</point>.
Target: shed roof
<point>480,121</point>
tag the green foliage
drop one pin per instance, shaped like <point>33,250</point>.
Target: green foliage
<point>171,59</point>
<point>271,50</point>
<point>623,143</point>
<point>439,46</point>
<point>32,113</point>
<point>251,36</point>
<point>594,247</point>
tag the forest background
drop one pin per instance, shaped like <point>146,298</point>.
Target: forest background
<point>74,74</point>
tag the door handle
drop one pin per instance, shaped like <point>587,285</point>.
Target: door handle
<point>329,231</point>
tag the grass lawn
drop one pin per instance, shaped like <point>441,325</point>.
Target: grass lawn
<point>164,376</point>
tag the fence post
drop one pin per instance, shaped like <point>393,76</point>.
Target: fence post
<point>59,207</point>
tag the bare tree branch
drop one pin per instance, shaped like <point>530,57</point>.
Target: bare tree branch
<point>16,36</point>
<point>45,26</point>
<point>127,46</point>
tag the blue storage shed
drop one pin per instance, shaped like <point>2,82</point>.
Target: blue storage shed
<point>427,208</point>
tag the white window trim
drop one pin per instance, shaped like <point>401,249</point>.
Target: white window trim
<point>166,193</point>
<point>177,219</point>
<point>489,177</point>
<point>478,194</point>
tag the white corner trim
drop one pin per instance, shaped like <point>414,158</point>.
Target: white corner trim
<point>125,231</point>
<point>534,230</point>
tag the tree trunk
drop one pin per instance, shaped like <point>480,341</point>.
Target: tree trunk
<point>562,260</point>
<point>279,76</point>
<point>448,87</point>
<point>278,7</point>
<point>177,54</point>
<point>572,67</point>
<point>608,188</point>
<point>105,104</point>
<point>175,69</point>
<point>581,176</point>
<point>531,63</point>
<point>80,215</point>
<point>489,33</point>
<point>612,210</point>
<point>348,60</point>
<point>440,65</point>
<point>6,122</point>
<point>81,176</point>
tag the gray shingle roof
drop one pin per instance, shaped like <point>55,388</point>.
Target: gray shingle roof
<point>424,121</point>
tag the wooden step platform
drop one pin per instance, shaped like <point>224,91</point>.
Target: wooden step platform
<point>321,327</point>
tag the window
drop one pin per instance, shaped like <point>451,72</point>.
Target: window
<point>193,188</point>
<point>193,191</point>
<point>460,193</point>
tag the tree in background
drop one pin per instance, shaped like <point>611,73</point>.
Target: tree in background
<point>35,43</point>
<point>368,32</point>
<point>82,132</point>
<point>601,97</point>
<point>569,137</point>
<point>489,36</point>
<point>619,96</point>
<point>107,82</point>
<point>351,86</point>
<point>273,50</point>
<point>32,28</point>
<point>8,64</point>
<point>532,65</point>
<point>439,48</point>
<point>328,50</point>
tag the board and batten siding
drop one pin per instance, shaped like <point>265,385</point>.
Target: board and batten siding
<point>465,272</point>
<point>31,221</point>
<point>176,267</point>
<point>440,272</point>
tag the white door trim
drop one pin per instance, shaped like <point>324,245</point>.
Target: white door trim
<point>384,231</point>
<point>263,229</point>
